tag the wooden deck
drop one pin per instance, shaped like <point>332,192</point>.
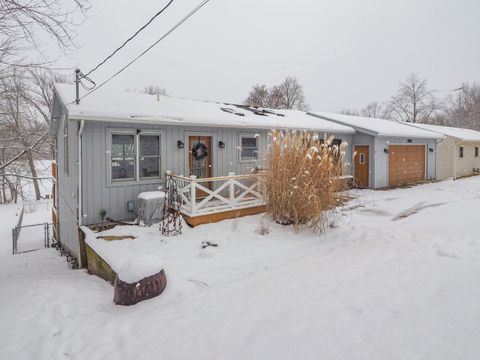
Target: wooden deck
<point>98,266</point>
<point>210,200</point>
<point>224,215</point>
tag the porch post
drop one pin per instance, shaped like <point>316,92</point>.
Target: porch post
<point>193,194</point>
<point>231,188</point>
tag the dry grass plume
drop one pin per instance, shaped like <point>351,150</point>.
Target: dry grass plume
<point>302,181</point>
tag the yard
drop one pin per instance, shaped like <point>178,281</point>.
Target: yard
<point>396,277</point>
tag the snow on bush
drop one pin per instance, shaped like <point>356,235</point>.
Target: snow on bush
<point>138,268</point>
<point>302,180</point>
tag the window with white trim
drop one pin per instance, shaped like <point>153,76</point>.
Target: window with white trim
<point>362,159</point>
<point>460,152</point>
<point>476,151</point>
<point>248,147</point>
<point>123,157</point>
<point>135,157</point>
<point>149,156</point>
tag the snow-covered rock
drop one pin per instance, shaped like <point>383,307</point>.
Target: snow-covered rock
<point>140,267</point>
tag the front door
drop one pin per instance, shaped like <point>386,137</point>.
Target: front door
<point>361,166</point>
<point>200,157</point>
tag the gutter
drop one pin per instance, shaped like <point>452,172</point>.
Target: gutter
<point>181,122</point>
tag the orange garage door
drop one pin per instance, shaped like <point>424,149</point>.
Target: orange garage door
<point>406,164</point>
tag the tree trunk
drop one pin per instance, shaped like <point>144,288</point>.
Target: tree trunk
<point>13,194</point>
<point>33,171</point>
<point>3,198</point>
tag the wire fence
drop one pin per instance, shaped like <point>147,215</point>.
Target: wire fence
<point>35,237</point>
<point>16,230</point>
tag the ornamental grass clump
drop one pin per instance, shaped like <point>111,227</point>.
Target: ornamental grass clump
<point>303,178</point>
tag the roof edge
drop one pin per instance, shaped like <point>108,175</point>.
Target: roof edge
<point>180,122</point>
<point>357,128</point>
<point>441,133</point>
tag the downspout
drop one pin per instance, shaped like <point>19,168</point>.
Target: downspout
<point>80,186</point>
<point>80,210</point>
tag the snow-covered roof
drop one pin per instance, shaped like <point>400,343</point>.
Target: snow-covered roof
<point>459,133</point>
<point>378,127</point>
<point>109,105</point>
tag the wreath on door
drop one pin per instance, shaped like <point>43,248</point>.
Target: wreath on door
<point>199,151</point>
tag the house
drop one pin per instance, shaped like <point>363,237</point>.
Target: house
<point>458,153</point>
<point>388,153</point>
<point>114,145</point>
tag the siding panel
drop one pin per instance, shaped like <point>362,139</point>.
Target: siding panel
<point>99,194</point>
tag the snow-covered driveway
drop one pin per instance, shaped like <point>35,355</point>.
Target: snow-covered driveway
<point>398,277</point>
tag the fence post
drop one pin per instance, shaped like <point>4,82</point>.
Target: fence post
<point>231,187</point>
<point>45,235</point>
<point>193,194</point>
<point>48,235</point>
<point>14,245</point>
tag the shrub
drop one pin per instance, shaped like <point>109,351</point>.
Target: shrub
<point>302,178</point>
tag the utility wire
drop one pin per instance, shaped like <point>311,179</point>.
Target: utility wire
<point>177,25</point>
<point>130,38</point>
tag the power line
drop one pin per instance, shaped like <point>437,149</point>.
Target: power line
<point>177,25</point>
<point>130,38</point>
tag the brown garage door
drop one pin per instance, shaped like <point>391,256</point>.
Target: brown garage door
<point>406,164</point>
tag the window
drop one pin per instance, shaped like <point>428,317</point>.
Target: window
<point>135,156</point>
<point>249,147</point>
<point>65,145</point>
<point>460,151</point>
<point>335,145</point>
<point>123,157</point>
<point>362,159</point>
<point>476,151</point>
<point>149,156</point>
<point>335,142</point>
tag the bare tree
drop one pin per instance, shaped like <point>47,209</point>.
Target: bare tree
<point>16,121</point>
<point>24,121</point>
<point>275,98</point>
<point>154,90</point>
<point>376,110</point>
<point>462,110</point>
<point>259,96</point>
<point>25,84</point>
<point>23,23</point>
<point>292,96</point>
<point>288,95</point>
<point>350,112</point>
<point>413,102</point>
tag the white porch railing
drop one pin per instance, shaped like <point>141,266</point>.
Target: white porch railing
<point>218,194</point>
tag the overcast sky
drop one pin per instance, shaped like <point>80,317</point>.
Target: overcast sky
<point>346,53</point>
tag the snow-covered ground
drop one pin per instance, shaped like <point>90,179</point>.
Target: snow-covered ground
<point>398,277</point>
<point>44,171</point>
<point>36,214</point>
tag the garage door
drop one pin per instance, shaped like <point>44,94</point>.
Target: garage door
<point>406,164</point>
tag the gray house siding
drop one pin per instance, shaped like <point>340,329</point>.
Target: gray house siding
<point>67,184</point>
<point>347,160</point>
<point>100,194</point>
<point>381,158</point>
<point>378,159</point>
<point>365,139</point>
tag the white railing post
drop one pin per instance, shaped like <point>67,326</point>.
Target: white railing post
<point>231,189</point>
<point>193,194</point>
